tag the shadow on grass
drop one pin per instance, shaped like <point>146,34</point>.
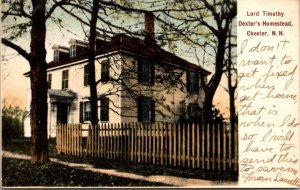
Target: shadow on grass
<point>150,170</point>
<point>23,146</point>
<point>23,173</point>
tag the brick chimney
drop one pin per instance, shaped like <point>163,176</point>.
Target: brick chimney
<point>149,28</point>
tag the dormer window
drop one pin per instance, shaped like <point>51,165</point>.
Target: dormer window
<point>56,55</point>
<point>73,51</point>
<point>60,53</point>
<point>77,48</point>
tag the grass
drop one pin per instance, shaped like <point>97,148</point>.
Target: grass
<point>149,169</point>
<point>23,173</point>
<point>23,146</point>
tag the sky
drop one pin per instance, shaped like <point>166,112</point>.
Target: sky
<point>13,66</point>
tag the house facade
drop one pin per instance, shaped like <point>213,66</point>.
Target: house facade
<point>137,81</point>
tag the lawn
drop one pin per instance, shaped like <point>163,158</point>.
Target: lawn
<point>21,172</point>
<point>23,146</point>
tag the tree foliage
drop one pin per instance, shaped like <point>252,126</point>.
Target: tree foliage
<point>204,26</point>
<point>201,25</point>
<point>22,18</point>
<point>12,122</point>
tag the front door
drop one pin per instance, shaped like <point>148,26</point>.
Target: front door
<point>62,113</point>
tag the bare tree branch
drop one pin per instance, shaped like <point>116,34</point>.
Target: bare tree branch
<point>17,48</point>
<point>57,4</point>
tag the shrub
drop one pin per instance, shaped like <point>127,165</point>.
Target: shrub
<point>196,114</point>
<point>12,122</point>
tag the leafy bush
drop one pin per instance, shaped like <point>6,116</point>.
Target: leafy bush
<point>193,115</point>
<point>196,114</point>
<point>217,116</point>
<point>12,122</point>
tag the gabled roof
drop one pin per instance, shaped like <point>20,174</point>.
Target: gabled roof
<point>78,42</point>
<point>61,48</point>
<point>122,42</point>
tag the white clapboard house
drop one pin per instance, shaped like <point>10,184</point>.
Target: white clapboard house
<point>137,81</point>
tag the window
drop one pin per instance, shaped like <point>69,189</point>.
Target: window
<point>104,71</point>
<point>104,109</point>
<point>145,72</point>
<point>86,81</point>
<point>73,51</point>
<point>56,55</point>
<point>85,111</point>
<point>194,112</point>
<point>65,79</point>
<point>49,80</point>
<point>146,109</point>
<point>192,82</point>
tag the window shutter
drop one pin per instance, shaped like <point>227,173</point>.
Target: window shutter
<point>140,70</point>
<point>197,82</point>
<point>62,80</point>
<point>49,80</point>
<point>152,111</point>
<point>152,73</point>
<point>107,109</point>
<point>139,110</point>
<point>104,109</point>
<point>105,71</point>
<point>107,77</point>
<point>86,75</point>
<point>188,82</point>
<point>81,112</point>
<point>67,79</point>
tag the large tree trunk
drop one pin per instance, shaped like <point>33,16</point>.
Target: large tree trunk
<point>232,107</point>
<point>211,90</point>
<point>233,121</point>
<point>91,65</point>
<point>231,91</point>
<point>38,78</point>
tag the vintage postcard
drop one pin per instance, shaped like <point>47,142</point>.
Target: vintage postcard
<point>98,93</point>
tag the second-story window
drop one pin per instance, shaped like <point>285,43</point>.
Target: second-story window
<point>145,72</point>
<point>49,80</point>
<point>86,76</point>
<point>73,51</point>
<point>192,82</point>
<point>56,55</point>
<point>105,71</point>
<point>65,79</point>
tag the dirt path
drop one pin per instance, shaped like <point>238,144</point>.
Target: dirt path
<point>169,180</point>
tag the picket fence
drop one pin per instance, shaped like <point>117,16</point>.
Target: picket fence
<point>211,147</point>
